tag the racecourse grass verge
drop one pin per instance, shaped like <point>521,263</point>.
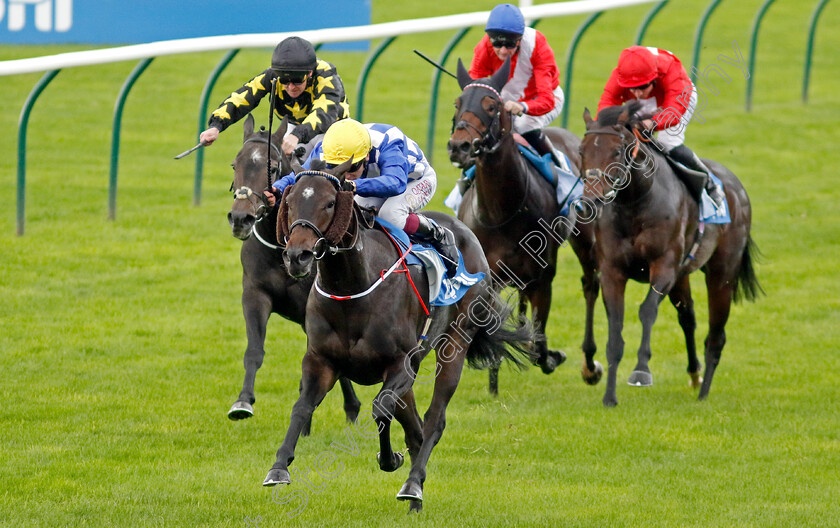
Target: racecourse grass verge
<point>121,341</point>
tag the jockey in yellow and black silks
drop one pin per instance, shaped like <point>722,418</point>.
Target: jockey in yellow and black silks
<point>308,91</point>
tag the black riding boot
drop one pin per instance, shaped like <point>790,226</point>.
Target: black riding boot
<point>442,240</point>
<point>687,157</point>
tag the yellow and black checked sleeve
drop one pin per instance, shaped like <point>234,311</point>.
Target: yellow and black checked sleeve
<point>328,103</point>
<point>242,101</point>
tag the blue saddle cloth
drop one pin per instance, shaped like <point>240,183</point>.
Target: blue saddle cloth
<point>442,290</point>
<point>569,186</point>
<point>708,211</point>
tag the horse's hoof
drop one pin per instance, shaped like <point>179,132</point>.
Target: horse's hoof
<point>411,491</point>
<point>399,458</point>
<point>610,402</point>
<point>590,377</point>
<point>415,506</point>
<point>277,476</point>
<point>240,410</point>
<point>553,358</point>
<point>696,380</point>
<point>640,378</point>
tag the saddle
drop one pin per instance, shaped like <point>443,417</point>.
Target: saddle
<point>442,290</point>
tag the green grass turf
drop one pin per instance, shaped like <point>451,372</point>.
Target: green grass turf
<point>121,341</point>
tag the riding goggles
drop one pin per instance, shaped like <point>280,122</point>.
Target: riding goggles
<point>293,77</point>
<point>641,87</point>
<point>353,168</point>
<point>504,42</point>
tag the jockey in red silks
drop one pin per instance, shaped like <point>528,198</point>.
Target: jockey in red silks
<point>658,79</point>
<point>532,93</point>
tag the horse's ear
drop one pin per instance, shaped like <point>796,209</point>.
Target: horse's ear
<point>587,117</point>
<point>297,168</point>
<point>281,130</point>
<point>499,79</point>
<point>624,116</point>
<point>248,127</point>
<point>339,171</point>
<point>463,75</point>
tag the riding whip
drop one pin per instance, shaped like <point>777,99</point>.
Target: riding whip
<point>436,65</point>
<point>187,152</point>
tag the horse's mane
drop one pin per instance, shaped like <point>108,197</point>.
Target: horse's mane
<point>609,115</point>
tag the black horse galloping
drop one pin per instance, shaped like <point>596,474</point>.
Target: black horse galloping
<point>647,229</point>
<point>365,324</point>
<point>266,287</point>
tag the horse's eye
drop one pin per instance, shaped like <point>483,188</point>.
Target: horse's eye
<point>331,204</point>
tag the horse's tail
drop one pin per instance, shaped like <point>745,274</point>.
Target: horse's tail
<point>499,336</point>
<point>747,286</point>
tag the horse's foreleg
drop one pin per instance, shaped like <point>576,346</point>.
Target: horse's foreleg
<point>351,401</point>
<point>434,421</point>
<point>662,278</point>
<point>681,299</point>
<point>256,307</point>
<point>540,298</point>
<point>720,301</point>
<point>317,379</point>
<point>613,284</point>
<point>397,382</point>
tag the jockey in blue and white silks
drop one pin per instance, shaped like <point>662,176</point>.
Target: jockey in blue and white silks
<point>389,172</point>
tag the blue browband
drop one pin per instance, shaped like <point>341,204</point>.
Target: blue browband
<point>335,181</point>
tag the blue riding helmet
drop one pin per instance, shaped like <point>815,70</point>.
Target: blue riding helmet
<point>506,18</point>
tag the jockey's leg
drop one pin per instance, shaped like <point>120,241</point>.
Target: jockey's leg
<point>439,237</point>
<point>672,140</point>
<point>687,157</point>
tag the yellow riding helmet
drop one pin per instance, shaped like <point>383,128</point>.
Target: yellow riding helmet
<point>346,139</point>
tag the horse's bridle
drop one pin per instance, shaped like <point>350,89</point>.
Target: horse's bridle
<point>489,140</point>
<point>322,241</point>
<point>615,181</point>
<point>246,193</point>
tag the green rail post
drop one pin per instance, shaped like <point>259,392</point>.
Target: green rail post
<point>115,133</point>
<point>430,133</point>
<point>360,91</point>
<point>23,124</point>
<point>812,29</point>
<point>640,34</point>
<point>753,43</point>
<point>698,37</point>
<point>202,119</point>
<point>570,59</point>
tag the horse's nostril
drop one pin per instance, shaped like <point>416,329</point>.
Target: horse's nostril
<point>465,147</point>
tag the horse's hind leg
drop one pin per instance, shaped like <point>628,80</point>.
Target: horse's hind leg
<point>681,299</point>
<point>351,401</point>
<point>256,307</point>
<point>591,370</point>
<point>316,381</point>
<point>720,299</point>
<point>494,370</point>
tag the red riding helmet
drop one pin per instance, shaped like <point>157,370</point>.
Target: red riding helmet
<point>636,67</point>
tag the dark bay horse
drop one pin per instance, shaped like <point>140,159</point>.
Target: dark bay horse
<point>366,324</point>
<point>266,287</point>
<point>646,227</point>
<point>514,211</point>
